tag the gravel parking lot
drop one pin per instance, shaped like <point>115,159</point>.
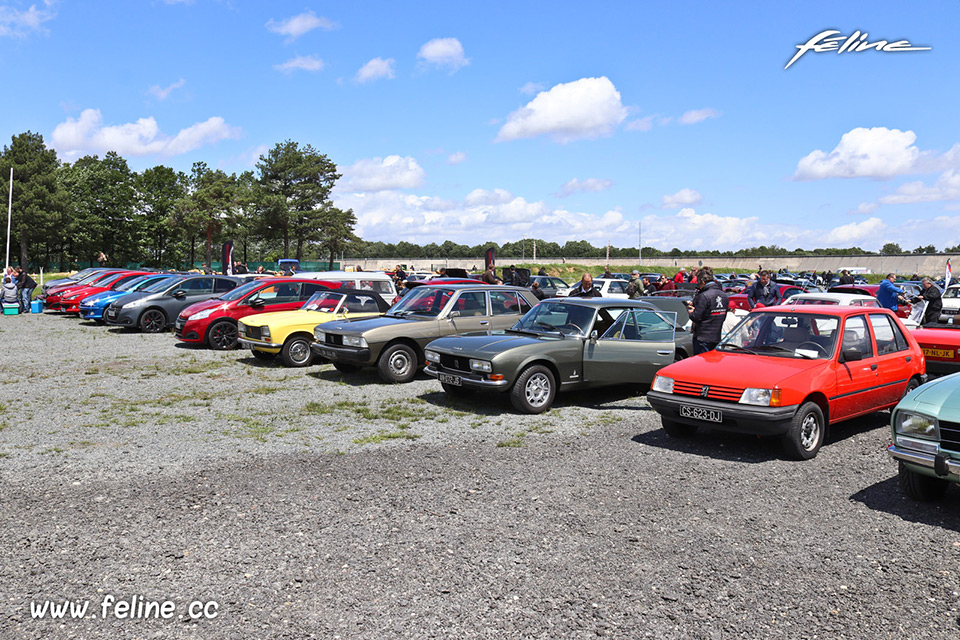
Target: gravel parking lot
<point>311,504</point>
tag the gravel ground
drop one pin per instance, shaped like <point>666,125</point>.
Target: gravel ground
<point>308,504</point>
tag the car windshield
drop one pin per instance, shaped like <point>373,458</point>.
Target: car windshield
<point>87,279</point>
<point>324,301</point>
<point>952,292</point>
<point>138,284</point>
<point>111,279</point>
<point>163,285</point>
<point>129,284</point>
<point>423,301</point>
<point>241,291</point>
<point>811,301</point>
<point>553,317</point>
<point>784,335</point>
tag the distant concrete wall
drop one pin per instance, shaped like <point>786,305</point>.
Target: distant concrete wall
<point>904,264</point>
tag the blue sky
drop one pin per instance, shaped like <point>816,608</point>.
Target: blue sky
<point>476,121</point>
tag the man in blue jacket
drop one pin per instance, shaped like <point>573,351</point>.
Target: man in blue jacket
<point>889,294</point>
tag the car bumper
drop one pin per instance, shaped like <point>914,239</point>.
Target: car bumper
<point>469,380</point>
<point>346,355</point>
<point>91,313</point>
<point>941,367</point>
<point>737,418</point>
<point>123,318</point>
<point>939,465</point>
<point>258,344</point>
<point>182,330</point>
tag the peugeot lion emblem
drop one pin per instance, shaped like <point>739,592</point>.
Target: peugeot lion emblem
<point>704,390</point>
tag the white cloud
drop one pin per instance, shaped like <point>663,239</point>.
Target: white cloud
<point>445,53</point>
<point>300,24</point>
<point>878,153</point>
<point>641,124</point>
<point>586,108</point>
<point>532,88</point>
<point>855,232</point>
<point>588,184</point>
<point>947,187</point>
<point>698,115</point>
<point>682,198</point>
<point>88,135</point>
<point>161,93</point>
<point>378,174</point>
<point>304,63</point>
<point>375,69</point>
<point>21,23</point>
<point>457,157</point>
<point>865,208</point>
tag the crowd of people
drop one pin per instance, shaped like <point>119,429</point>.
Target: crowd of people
<point>17,288</point>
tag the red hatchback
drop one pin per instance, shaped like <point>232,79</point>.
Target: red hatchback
<point>941,346</point>
<point>51,298</point>
<point>739,300</point>
<point>215,321</point>
<point>790,371</point>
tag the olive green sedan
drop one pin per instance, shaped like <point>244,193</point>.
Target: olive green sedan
<point>561,344</point>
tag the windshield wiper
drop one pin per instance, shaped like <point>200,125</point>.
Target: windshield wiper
<point>526,331</point>
<point>399,314</point>
<point>738,347</point>
<point>549,327</point>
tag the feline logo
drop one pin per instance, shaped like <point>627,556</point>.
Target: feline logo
<point>704,391</point>
<point>855,43</point>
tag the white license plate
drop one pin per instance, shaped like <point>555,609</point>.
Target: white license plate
<point>699,413</point>
<point>329,354</point>
<point>452,380</point>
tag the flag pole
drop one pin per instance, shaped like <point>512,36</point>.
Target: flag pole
<point>9,214</point>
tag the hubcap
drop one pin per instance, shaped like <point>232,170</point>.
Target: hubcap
<point>537,390</point>
<point>299,351</point>
<point>223,336</point>
<point>152,321</point>
<point>809,432</point>
<point>399,363</point>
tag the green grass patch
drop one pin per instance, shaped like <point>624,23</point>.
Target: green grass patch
<point>516,442</point>
<point>265,389</point>
<point>383,436</point>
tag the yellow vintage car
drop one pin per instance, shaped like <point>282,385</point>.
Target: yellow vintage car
<point>289,333</point>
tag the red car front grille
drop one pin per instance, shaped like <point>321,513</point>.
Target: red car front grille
<point>714,392</point>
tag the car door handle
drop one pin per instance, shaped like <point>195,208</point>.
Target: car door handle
<point>873,367</point>
<point>484,322</point>
<point>664,353</point>
<point>909,358</point>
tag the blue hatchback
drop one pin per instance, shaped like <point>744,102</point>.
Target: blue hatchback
<point>92,308</point>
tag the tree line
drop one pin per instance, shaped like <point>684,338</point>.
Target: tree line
<point>66,213</point>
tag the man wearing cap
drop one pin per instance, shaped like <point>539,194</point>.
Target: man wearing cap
<point>635,288</point>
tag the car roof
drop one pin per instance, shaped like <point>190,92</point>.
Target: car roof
<point>381,303</point>
<point>348,275</point>
<point>835,295</point>
<point>472,287</point>
<point>604,302</point>
<point>823,309</point>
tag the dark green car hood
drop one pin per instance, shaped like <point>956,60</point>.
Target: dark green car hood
<point>489,343</point>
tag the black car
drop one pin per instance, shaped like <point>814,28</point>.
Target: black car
<point>156,307</point>
<point>549,285</point>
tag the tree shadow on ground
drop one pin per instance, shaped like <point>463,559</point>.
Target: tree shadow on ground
<point>723,445</point>
<point>887,496</point>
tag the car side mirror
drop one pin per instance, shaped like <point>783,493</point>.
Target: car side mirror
<point>593,337</point>
<point>179,293</point>
<point>255,302</point>
<point>851,355</point>
<point>454,314</point>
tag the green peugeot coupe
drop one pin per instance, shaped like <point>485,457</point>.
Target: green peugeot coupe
<point>926,438</point>
<point>562,344</point>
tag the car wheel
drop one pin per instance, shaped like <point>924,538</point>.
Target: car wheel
<point>920,487</point>
<point>153,321</point>
<point>453,390</point>
<point>803,439</point>
<point>222,335</point>
<point>676,429</point>
<point>534,390</point>
<point>913,384</point>
<point>397,364</point>
<point>343,367</point>
<point>263,355</point>
<point>296,352</point>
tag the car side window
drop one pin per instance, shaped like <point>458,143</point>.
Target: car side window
<point>504,303</point>
<point>889,338</point>
<point>197,285</point>
<point>222,285</point>
<point>309,288</point>
<point>617,286</point>
<point>361,304</point>
<point>279,293</point>
<point>655,327</point>
<point>618,329</point>
<point>471,303</point>
<point>856,336</point>
<point>524,305</point>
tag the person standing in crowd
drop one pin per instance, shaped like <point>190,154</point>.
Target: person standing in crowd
<point>585,288</point>
<point>25,287</point>
<point>442,272</point>
<point>606,272</point>
<point>648,287</point>
<point>260,269</point>
<point>932,297</point>
<point>489,276</point>
<point>542,272</point>
<point>846,278</point>
<point>635,288</point>
<point>681,276</point>
<point>399,274</point>
<point>512,277</point>
<point>708,310</point>
<point>102,259</point>
<point>763,292</point>
<point>889,294</point>
<point>536,290</point>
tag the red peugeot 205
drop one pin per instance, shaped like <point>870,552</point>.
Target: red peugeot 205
<point>790,371</point>
<point>215,321</point>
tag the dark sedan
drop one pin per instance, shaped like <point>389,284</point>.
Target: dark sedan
<point>562,344</point>
<point>155,308</point>
<point>549,285</point>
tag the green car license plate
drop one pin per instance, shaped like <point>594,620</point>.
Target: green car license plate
<point>446,378</point>
<point>699,413</point>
